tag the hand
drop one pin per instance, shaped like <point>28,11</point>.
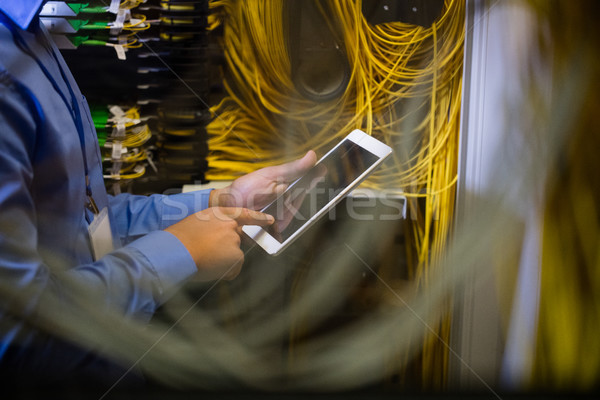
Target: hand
<point>212,237</point>
<point>259,188</point>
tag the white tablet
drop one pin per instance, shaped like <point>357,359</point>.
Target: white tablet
<point>310,197</point>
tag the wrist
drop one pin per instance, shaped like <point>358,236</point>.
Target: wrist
<point>213,198</point>
<point>221,198</point>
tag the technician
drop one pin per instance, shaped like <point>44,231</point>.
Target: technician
<point>58,225</point>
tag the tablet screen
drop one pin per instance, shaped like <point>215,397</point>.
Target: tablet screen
<point>318,187</point>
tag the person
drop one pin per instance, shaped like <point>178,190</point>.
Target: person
<point>58,225</point>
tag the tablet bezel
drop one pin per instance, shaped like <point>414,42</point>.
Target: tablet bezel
<point>271,245</point>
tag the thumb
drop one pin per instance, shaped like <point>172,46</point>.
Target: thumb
<point>295,169</point>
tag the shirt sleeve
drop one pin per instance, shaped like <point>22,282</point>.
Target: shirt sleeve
<point>137,215</point>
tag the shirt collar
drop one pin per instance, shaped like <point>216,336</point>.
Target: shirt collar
<point>21,12</point>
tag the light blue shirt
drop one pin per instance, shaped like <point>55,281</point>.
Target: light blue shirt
<point>43,218</point>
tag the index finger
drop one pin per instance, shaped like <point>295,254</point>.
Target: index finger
<point>245,216</point>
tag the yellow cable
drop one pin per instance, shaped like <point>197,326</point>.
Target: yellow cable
<point>404,89</point>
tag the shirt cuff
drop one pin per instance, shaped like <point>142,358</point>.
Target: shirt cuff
<point>169,258</point>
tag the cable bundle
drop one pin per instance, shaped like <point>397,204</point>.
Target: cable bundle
<point>122,136</point>
<point>74,24</point>
<point>177,84</point>
<point>404,88</point>
<point>161,70</point>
